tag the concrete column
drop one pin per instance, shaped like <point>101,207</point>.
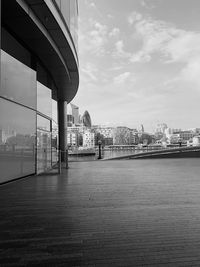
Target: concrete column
<point>62,128</point>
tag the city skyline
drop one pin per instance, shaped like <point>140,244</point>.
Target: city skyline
<point>139,62</point>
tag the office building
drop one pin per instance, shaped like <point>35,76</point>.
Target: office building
<point>86,119</point>
<point>122,136</point>
<point>88,138</point>
<point>39,76</point>
<point>73,117</point>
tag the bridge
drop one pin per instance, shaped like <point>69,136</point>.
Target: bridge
<point>177,152</point>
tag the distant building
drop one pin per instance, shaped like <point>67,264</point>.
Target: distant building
<point>86,119</point>
<point>72,137</point>
<point>169,131</point>
<point>73,117</point>
<point>174,136</point>
<point>185,135</point>
<point>88,139</point>
<point>141,129</point>
<point>161,127</point>
<point>160,131</point>
<point>122,136</point>
<point>196,141</point>
<point>103,133</point>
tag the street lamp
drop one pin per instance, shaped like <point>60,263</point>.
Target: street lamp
<point>99,144</point>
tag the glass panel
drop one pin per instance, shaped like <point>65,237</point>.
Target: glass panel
<point>54,142</point>
<point>74,21</point>
<point>43,124</point>
<point>44,102</point>
<point>65,10</point>
<point>43,144</point>
<point>58,3</point>
<point>17,141</point>
<point>54,111</point>
<point>43,151</point>
<point>18,82</point>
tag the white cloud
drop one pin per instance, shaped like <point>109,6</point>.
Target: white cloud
<point>119,51</point>
<point>155,35</point>
<point>174,46</point>
<point>93,38</point>
<point>134,17</point>
<point>89,73</point>
<point>110,16</point>
<point>147,4</point>
<point>114,32</point>
<point>120,79</point>
<point>183,47</point>
<point>191,72</point>
<point>92,4</point>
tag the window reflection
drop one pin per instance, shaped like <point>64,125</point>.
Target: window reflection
<point>18,82</point>
<point>74,21</point>
<point>44,102</point>
<point>69,10</point>
<point>43,123</point>
<point>43,144</point>
<point>54,140</point>
<point>17,140</point>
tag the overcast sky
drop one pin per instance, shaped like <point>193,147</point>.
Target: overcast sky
<point>140,62</point>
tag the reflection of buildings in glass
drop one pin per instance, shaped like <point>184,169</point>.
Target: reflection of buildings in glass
<point>30,89</point>
<point>5,134</point>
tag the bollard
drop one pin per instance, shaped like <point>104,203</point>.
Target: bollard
<point>59,161</point>
<point>99,143</point>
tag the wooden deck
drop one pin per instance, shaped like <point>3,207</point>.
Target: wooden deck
<point>111,213</point>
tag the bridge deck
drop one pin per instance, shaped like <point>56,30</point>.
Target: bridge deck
<point>111,213</point>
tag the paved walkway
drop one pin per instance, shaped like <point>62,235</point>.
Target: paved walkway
<point>114,213</point>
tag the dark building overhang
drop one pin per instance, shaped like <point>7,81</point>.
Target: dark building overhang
<point>38,24</point>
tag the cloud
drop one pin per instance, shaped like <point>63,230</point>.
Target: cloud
<point>114,32</point>
<point>183,47</point>
<point>155,36</point>
<point>110,16</point>
<point>89,73</point>
<point>147,4</point>
<point>120,79</point>
<point>134,17</point>
<point>119,51</point>
<point>191,72</point>
<point>174,45</point>
<point>93,38</point>
<point>92,4</point>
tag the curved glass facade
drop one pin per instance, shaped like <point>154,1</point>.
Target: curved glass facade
<point>35,48</point>
<point>69,11</point>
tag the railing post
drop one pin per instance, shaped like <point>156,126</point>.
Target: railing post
<point>99,143</point>
<point>59,161</point>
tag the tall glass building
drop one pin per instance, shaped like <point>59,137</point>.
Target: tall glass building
<point>39,76</point>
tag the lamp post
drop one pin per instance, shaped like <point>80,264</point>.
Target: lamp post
<point>99,144</point>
